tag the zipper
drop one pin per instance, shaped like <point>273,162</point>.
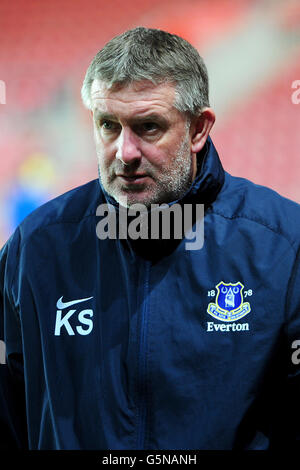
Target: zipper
<point>142,368</point>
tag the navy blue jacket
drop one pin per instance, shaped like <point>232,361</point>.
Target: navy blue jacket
<point>123,344</point>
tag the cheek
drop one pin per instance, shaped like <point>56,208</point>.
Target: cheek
<point>104,153</point>
<point>164,153</point>
<point>155,155</point>
<point>100,145</point>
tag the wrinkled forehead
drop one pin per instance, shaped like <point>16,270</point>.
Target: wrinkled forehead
<point>144,90</point>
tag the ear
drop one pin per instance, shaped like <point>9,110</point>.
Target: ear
<point>201,127</point>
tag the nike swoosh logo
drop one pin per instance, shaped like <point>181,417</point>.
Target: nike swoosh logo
<point>61,305</point>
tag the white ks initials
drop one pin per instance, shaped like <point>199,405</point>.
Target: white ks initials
<point>84,317</point>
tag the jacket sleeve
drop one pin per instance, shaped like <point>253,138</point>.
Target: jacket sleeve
<point>13,434</point>
<point>292,396</point>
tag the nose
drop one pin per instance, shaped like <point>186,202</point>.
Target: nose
<point>128,147</point>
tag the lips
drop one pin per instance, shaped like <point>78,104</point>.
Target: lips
<point>134,178</point>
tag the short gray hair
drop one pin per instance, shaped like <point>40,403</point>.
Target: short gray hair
<point>154,55</point>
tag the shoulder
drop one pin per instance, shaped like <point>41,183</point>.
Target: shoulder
<point>243,199</point>
<point>71,207</point>
<point>54,219</point>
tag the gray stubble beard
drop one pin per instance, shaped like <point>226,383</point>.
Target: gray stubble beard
<point>171,185</point>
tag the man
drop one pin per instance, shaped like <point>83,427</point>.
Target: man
<point>119,342</point>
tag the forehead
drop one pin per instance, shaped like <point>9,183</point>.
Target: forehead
<point>136,98</point>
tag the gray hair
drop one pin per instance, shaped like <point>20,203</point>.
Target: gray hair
<point>156,56</point>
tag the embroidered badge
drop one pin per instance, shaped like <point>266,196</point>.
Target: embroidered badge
<point>229,304</point>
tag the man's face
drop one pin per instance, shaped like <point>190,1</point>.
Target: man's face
<point>143,143</point>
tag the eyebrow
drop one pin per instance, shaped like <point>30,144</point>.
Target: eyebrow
<point>111,117</point>
<point>100,115</point>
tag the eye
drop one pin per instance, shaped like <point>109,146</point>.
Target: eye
<point>108,126</point>
<point>149,126</point>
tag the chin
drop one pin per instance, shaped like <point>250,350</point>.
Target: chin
<point>127,200</point>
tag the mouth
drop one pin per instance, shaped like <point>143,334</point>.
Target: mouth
<point>133,179</point>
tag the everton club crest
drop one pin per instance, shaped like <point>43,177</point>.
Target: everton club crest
<point>229,304</point>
